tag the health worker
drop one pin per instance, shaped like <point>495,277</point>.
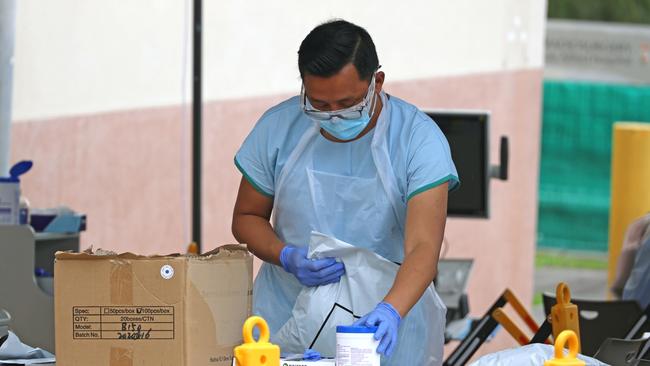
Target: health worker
<point>346,159</point>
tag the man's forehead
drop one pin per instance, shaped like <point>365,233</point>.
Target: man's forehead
<point>347,73</point>
<point>317,94</point>
<point>343,85</point>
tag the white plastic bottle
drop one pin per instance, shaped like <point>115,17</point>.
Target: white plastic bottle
<point>23,211</point>
<point>10,193</point>
<point>9,200</point>
<point>356,346</point>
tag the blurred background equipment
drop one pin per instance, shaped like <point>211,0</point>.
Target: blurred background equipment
<point>468,134</point>
<point>451,286</point>
<point>5,319</point>
<point>26,292</point>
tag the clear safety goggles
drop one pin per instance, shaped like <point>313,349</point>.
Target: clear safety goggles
<point>353,112</point>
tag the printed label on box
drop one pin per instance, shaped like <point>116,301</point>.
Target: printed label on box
<point>123,322</point>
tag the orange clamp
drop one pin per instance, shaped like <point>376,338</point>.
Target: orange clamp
<point>564,314</point>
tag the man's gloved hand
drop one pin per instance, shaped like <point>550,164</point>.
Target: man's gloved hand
<point>311,355</point>
<point>387,319</point>
<point>310,272</point>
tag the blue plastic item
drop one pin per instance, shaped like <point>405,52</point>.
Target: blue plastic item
<point>41,272</point>
<point>355,329</point>
<point>17,170</point>
<point>311,355</point>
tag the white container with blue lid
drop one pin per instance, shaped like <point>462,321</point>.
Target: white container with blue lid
<point>356,346</point>
<point>10,194</point>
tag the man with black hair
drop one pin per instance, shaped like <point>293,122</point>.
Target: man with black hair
<point>346,159</point>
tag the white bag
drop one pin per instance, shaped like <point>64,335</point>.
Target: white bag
<point>529,355</point>
<point>368,278</point>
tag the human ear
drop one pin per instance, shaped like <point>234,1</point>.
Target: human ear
<point>379,81</point>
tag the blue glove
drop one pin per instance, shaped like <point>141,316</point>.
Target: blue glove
<point>310,272</point>
<point>387,319</point>
<point>311,355</point>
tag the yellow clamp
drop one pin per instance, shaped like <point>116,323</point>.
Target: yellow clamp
<point>257,353</point>
<point>559,358</point>
<point>564,314</point>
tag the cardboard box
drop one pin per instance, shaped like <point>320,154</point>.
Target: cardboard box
<point>125,310</point>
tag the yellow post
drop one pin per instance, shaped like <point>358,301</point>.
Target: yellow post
<point>630,196</point>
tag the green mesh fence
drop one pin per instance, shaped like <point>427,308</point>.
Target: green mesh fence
<point>576,156</point>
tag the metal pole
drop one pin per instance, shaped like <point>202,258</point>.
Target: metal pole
<point>7,39</point>
<point>196,122</point>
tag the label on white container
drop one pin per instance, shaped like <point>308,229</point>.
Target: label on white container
<point>9,203</point>
<point>283,362</point>
<point>356,349</point>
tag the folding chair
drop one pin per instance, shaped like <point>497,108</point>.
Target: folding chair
<point>451,286</point>
<point>620,351</point>
<point>477,336</point>
<point>644,353</point>
<point>507,323</point>
<point>600,320</point>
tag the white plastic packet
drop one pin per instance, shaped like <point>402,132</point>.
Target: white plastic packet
<point>529,355</point>
<point>368,278</point>
<point>13,351</point>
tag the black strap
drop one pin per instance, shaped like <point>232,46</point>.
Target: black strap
<point>328,318</point>
<point>543,333</point>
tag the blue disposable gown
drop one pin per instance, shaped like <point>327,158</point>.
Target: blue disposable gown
<point>356,192</point>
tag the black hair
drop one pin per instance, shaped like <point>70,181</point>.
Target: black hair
<point>334,44</point>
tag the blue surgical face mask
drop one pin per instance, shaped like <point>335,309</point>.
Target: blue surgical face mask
<point>346,129</point>
<point>344,124</point>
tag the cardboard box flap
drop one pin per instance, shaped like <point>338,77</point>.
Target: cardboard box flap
<point>225,251</point>
<point>110,255</point>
